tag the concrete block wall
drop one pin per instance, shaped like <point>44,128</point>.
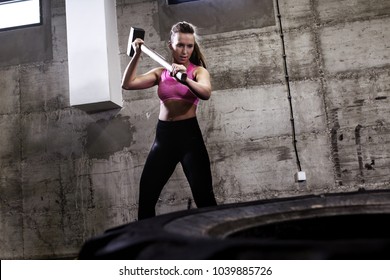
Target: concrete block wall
<point>67,175</point>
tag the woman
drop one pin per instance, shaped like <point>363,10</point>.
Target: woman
<point>178,136</point>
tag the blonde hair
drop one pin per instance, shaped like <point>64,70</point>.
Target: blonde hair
<point>197,56</point>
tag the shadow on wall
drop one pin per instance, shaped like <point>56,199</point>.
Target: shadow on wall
<point>105,137</point>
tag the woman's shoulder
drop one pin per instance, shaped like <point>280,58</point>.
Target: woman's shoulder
<point>158,70</point>
<point>199,69</point>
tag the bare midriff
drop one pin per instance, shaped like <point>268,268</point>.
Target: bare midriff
<point>176,110</point>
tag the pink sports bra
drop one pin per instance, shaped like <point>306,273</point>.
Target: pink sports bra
<point>169,88</point>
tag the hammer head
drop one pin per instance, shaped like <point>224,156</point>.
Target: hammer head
<point>134,34</point>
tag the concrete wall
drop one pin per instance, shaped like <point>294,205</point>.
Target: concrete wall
<point>67,175</point>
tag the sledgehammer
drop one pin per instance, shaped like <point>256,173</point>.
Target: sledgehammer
<point>140,33</point>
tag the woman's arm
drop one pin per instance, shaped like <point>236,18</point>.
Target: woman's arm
<point>201,85</point>
<point>130,78</point>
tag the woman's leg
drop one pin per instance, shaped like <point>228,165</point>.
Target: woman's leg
<point>196,166</point>
<point>158,168</point>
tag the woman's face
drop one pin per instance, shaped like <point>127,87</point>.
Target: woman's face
<point>182,46</point>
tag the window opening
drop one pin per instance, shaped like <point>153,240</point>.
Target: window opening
<point>19,13</point>
<point>174,2</point>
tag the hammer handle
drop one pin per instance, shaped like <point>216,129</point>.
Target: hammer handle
<point>156,57</point>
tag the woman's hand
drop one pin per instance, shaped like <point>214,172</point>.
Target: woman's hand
<point>137,43</point>
<point>178,68</point>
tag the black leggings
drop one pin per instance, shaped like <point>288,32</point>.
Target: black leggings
<point>178,141</point>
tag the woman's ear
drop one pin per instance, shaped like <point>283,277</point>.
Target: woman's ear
<point>170,45</point>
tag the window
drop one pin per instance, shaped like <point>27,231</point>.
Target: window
<point>174,2</point>
<point>20,45</point>
<point>19,13</point>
